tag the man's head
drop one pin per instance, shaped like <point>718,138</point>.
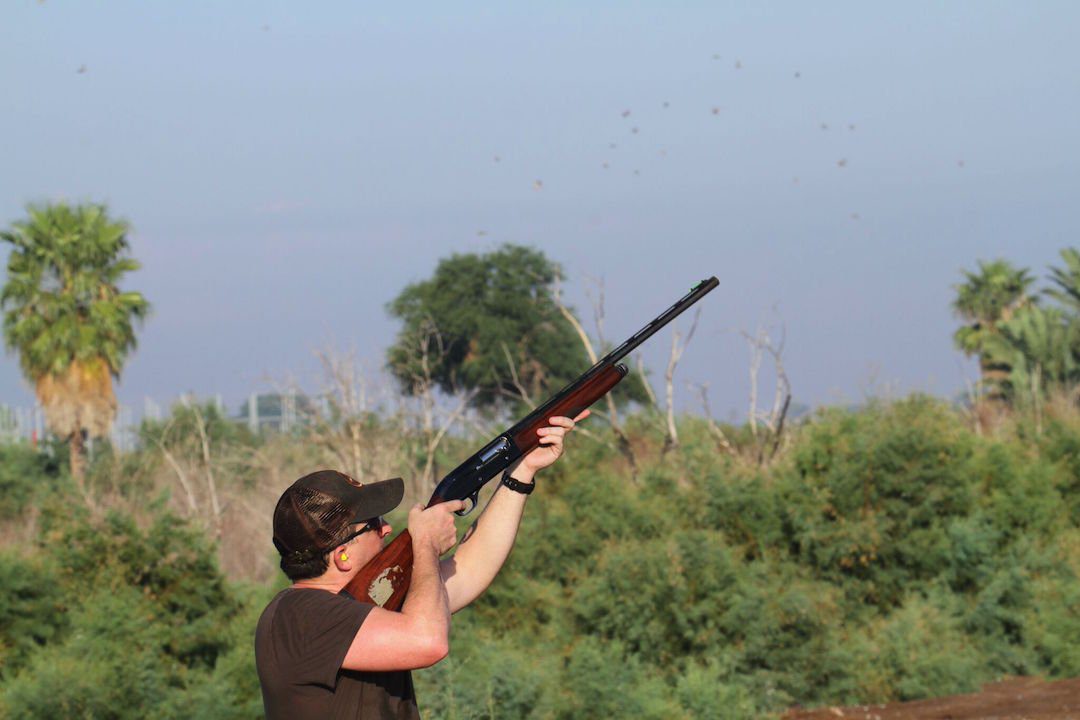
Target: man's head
<point>320,511</point>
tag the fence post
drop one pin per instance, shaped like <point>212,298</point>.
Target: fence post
<point>253,413</point>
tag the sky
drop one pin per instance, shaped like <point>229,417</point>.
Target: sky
<point>288,168</point>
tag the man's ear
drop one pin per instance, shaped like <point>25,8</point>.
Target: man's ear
<point>341,558</point>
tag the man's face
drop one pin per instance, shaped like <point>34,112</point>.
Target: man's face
<point>370,537</point>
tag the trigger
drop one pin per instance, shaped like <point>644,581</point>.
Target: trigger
<point>472,500</point>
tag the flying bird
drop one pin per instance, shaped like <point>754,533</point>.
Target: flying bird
<point>634,130</point>
<point>666,104</point>
<point>538,185</point>
<point>716,110</point>
<point>81,70</point>
<point>842,162</point>
<point>824,126</point>
<point>798,74</point>
<point>626,113</point>
<point>738,65</point>
<point>496,159</point>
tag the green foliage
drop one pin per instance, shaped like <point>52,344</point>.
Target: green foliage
<point>1067,280</point>
<point>873,493</point>
<point>891,554</point>
<point>489,324</point>
<point>26,476</point>
<point>478,314</point>
<point>110,619</point>
<point>1026,352</point>
<point>61,301</point>
<point>1039,347</point>
<point>986,298</point>
<point>31,609</point>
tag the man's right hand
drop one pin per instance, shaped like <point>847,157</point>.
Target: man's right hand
<point>435,525</point>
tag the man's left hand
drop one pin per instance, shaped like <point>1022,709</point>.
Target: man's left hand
<point>551,443</point>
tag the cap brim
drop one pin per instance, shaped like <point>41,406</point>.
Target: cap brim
<point>374,499</point>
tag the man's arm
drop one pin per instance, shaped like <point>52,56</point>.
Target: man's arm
<point>419,635</point>
<point>488,542</point>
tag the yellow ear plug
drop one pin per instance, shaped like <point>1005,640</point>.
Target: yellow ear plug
<point>344,557</point>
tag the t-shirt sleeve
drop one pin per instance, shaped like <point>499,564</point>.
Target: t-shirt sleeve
<point>315,633</point>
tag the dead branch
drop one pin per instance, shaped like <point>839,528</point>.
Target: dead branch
<point>193,506</point>
<point>639,365</point>
<point>677,351</point>
<point>755,366</point>
<point>522,392</point>
<point>211,484</point>
<point>774,420</point>
<point>612,415</point>
<point>433,442</point>
<point>714,428</point>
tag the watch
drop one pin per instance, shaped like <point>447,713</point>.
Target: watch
<point>516,485</point>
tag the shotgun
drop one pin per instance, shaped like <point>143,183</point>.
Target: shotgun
<point>384,580</point>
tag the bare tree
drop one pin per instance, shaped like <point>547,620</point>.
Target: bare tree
<point>612,415</point>
<point>677,350</point>
<point>721,439</point>
<point>769,439</point>
<point>340,427</point>
<point>369,439</point>
<point>436,421</point>
<point>208,469</point>
<point>181,474</point>
<point>522,393</point>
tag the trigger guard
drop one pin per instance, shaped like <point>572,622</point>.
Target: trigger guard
<point>472,505</point>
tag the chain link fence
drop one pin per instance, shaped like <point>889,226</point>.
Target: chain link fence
<point>261,413</point>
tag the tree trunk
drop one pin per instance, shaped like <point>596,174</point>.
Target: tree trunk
<point>77,451</point>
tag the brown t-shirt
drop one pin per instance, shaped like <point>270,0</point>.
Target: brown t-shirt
<point>300,642</point>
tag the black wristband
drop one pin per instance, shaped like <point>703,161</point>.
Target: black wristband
<point>516,485</point>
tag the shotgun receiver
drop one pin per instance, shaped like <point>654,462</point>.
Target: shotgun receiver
<point>385,579</point>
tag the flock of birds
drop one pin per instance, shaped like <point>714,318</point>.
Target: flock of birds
<point>634,129</point>
<point>626,114</point>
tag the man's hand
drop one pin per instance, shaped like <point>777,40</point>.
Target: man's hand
<point>435,525</point>
<point>551,443</point>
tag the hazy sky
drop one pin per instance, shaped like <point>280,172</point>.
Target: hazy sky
<point>289,167</point>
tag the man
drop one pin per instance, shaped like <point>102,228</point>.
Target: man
<point>322,654</point>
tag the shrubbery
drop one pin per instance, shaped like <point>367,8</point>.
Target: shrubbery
<point>891,553</point>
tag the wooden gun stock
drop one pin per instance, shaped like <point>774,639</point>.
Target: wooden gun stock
<point>385,579</point>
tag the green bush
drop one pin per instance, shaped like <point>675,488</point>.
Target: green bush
<point>891,553</point>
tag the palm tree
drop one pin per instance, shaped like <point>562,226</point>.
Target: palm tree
<point>64,315</point>
<point>987,299</point>
<point>1067,280</point>
<point>1036,344</point>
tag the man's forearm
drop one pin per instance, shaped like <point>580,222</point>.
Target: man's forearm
<point>427,604</point>
<point>486,546</point>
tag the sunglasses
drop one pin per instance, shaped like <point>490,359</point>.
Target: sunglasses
<point>374,523</point>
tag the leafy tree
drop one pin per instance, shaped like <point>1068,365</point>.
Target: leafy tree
<point>66,317</point>
<point>988,298</point>
<point>1067,280</point>
<point>1038,346</point>
<point>481,321</point>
